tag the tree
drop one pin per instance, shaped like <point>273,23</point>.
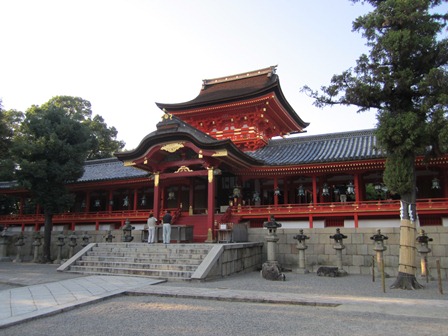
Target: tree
<point>50,149</point>
<point>405,78</point>
<point>104,143</point>
<point>9,121</point>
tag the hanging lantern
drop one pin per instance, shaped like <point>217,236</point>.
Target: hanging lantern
<point>171,195</point>
<point>97,203</point>
<point>236,192</point>
<point>277,192</point>
<point>350,188</point>
<point>325,190</point>
<point>143,200</point>
<point>300,191</point>
<point>378,187</point>
<point>125,201</point>
<point>256,196</point>
<point>435,183</point>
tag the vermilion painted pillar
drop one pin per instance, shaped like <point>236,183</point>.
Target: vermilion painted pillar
<point>275,188</point>
<point>357,196</point>
<point>135,199</point>
<point>210,200</point>
<point>191,197</point>
<point>357,189</point>
<point>314,189</point>
<point>156,203</point>
<point>87,201</point>
<point>110,202</point>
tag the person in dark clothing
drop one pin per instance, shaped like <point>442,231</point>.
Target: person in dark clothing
<point>166,220</point>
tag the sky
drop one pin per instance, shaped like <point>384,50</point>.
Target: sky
<point>125,55</point>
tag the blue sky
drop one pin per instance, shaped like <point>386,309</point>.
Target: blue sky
<point>125,55</point>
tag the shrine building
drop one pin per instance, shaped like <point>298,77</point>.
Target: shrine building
<point>237,154</point>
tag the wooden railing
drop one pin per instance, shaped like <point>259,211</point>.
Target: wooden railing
<point>383,207</point>
<point>365,208</point>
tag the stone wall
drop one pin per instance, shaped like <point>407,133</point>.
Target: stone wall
<point>358,252</point>
<point>236,258</point>
<point>27,250</point>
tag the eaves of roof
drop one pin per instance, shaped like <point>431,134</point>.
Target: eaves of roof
<point>174,129</point>
<point>233,90</point>
<point>334,147</point>
<point>108,169</point>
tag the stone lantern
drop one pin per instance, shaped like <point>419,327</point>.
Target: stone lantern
<point>270,269</point>
<point>339,246</point>
<point>127,231</point>
<point>4,242</point>
<point>109,237</point>
<point>301,246</point>
<point>37,243</point>
<point>60,243</point>
<point>85,239</point>
<point>423,249</point>
<point>379,248</point>
<point>20,241</point>
<point>72,244</point>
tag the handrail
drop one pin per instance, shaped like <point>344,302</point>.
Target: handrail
<point>423,205</point>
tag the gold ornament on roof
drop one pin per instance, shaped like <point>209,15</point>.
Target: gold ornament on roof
<point>172,147</point>
<point>183,169</point>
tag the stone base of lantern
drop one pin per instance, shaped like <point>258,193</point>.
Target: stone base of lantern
<point>271,271</point>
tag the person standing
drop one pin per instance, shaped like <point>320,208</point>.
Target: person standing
<point>151,222</point>
<point>167,227</point>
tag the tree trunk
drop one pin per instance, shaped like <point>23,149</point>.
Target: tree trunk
<point>46,257</point>
<point>407,267</point>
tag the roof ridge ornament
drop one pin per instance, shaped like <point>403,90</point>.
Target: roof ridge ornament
<point>269,71</point>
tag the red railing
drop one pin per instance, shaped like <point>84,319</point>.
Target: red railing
<point>437,206</point>
<point>373,208</point>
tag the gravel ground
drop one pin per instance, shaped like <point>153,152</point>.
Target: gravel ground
<point>351,285</point>
<point>173,316</point>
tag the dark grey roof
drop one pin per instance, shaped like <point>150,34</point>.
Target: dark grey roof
<point>109,169</point>
<point>334,147</point>
<point>8,184</point>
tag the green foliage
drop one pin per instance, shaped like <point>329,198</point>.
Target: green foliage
<point>399,177</point>
<point>404,78</point>
<point>104,143</point>
<point>51,150</point>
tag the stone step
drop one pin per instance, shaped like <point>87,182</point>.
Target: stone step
<point>159,274</point>
<point>135,265</point>
<point>171,261</point>
<point>150,259</point>
<point>146,255</point>
<point>150,249</point>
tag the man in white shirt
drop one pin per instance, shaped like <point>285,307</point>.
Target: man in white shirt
<point>152,221</point>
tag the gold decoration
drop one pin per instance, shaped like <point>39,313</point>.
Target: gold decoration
<point>167,116</point>
<point>156,179</point>
<point>222,152</point>
<point>183,169</point>
<point>210,174</point>
<point>200,156</point>
<point>128,163</point>
<point>172,147</point>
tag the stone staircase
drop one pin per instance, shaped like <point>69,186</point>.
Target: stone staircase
<point>168,262</point>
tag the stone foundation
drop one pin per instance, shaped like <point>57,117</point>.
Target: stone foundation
<point>358,252</point>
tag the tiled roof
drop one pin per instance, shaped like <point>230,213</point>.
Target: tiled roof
<point>334,147</point>
<point>109,169</point>
<point>230,87</point>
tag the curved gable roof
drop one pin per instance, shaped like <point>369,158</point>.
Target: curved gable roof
<point>236,88</point>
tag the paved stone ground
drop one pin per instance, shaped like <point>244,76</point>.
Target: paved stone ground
<point>345,296</point>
